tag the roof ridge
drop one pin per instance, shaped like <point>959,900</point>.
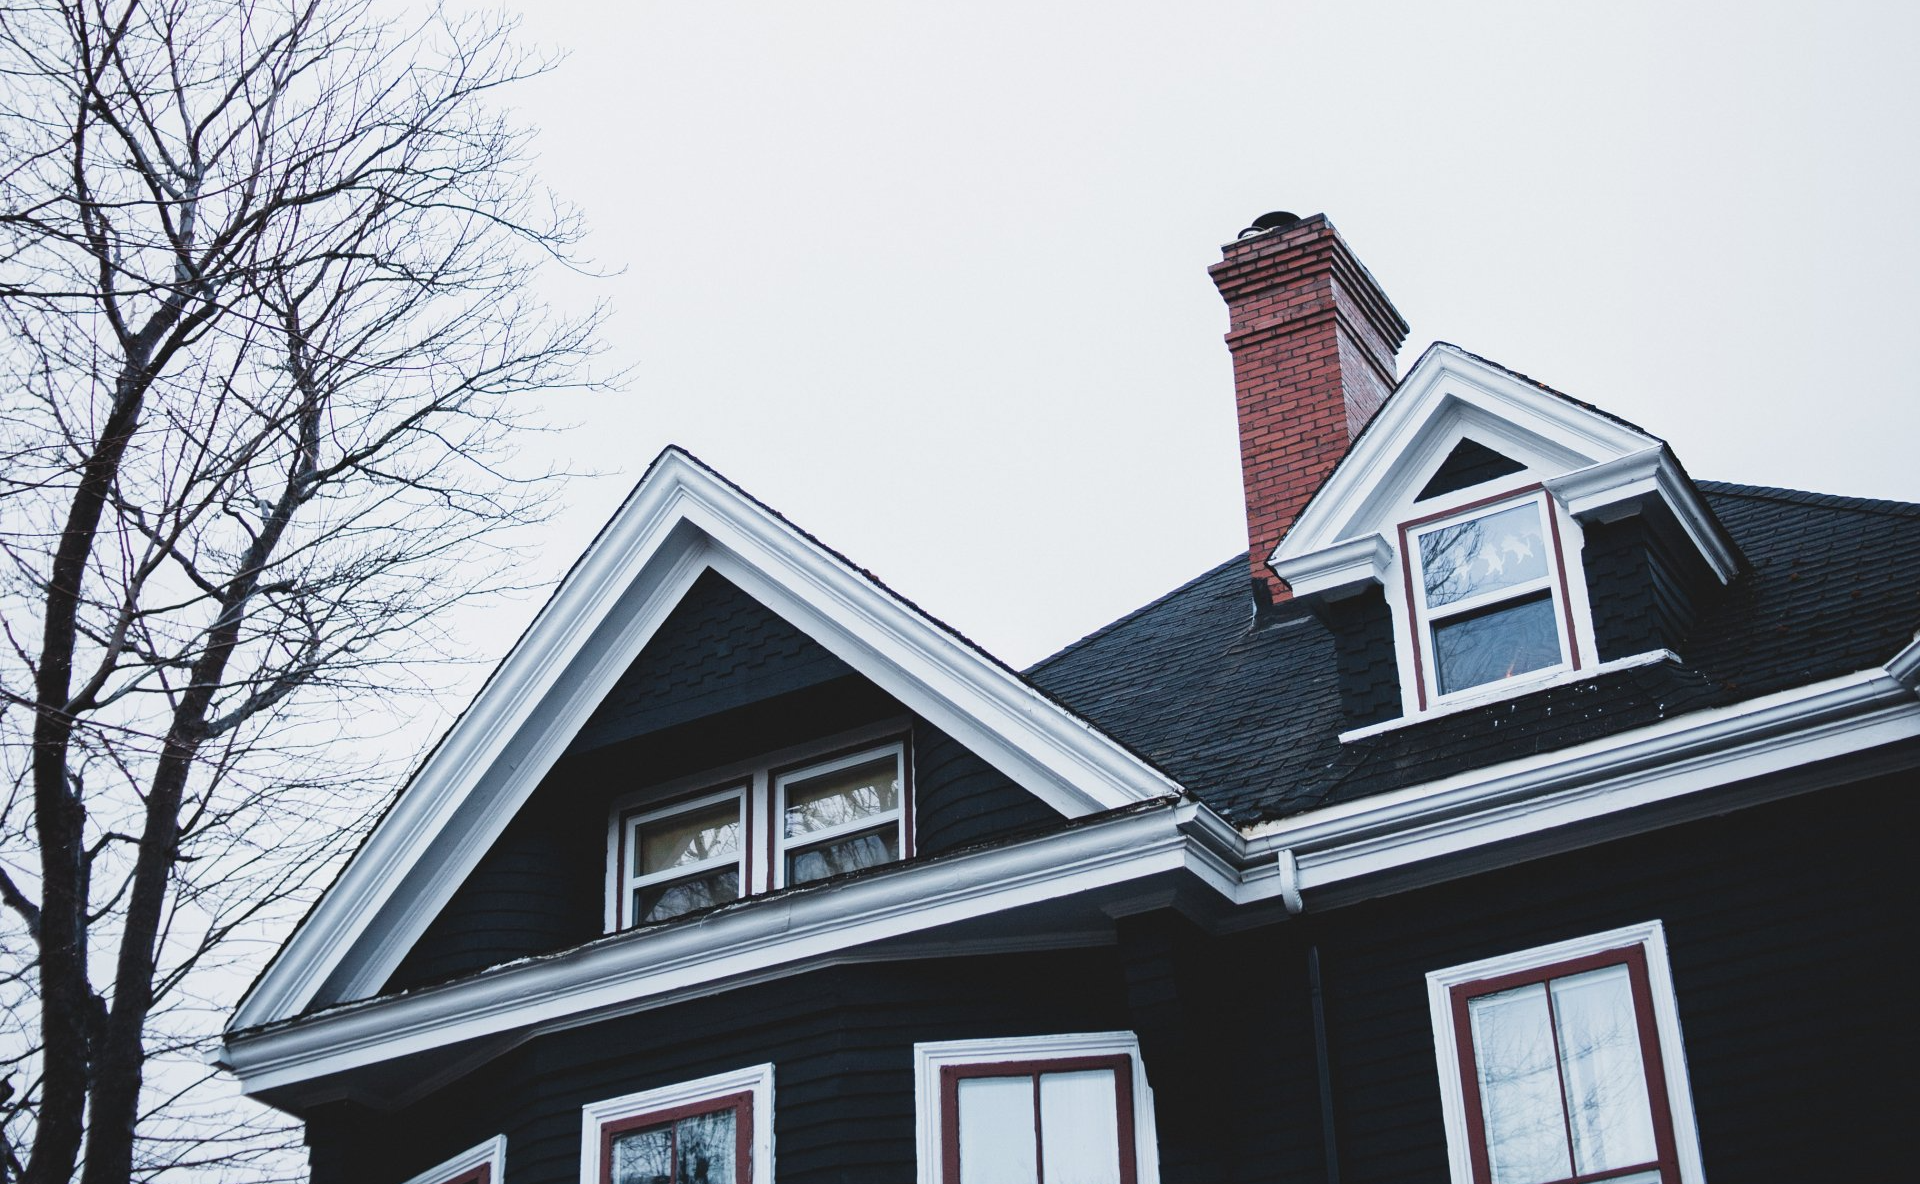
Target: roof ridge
<point>1075,646</point>
<point>1805,497</point>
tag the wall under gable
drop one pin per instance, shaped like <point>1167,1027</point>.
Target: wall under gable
<point>724,680</point>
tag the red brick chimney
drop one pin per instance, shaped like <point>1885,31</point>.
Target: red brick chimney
<point>1313,340</point>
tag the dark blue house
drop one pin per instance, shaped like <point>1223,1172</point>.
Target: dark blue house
<point>1518,810</point>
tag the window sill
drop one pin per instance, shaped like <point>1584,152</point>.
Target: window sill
<point>1500,692</point>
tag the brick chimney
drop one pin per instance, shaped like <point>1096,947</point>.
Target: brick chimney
<point>1313,340</point>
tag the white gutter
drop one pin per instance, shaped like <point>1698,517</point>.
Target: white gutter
<point>1563,799</point>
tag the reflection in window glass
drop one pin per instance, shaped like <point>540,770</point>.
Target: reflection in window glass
<point>847,796</point>
<point>1563,1089</point>
<point>693,836</point>
<point>1483,647</point>
<point>657,902</point>
<point>1483,555</point>
<point>699,1149</point>
<point>838,856</point>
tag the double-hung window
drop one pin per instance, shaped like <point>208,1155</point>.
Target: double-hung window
<point>712,1131</point>
<point>840,815</point>
<point>1563,1066</point>
<point>682,856</point>
<point>1035,1110</point>
<point>779,820</point>
<point>1487,588</point>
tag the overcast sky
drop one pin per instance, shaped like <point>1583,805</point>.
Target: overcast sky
<point>931,278</point>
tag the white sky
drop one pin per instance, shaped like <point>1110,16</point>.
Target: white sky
<point>931,278</point>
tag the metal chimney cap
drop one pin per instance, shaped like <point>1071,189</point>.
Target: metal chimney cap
<point>1275,220</point>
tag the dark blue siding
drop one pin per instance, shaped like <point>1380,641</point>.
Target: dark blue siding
<point>1784,924</point>
<point>723,680</point>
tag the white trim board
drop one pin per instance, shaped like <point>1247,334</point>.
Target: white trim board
<point>1589,461</point>
<point>681,520</point>
<point>756,1080</point>
<point>932,1056</point>
<point>491,1155</point>
<point>1557,801</point>
<point>1650,937</point>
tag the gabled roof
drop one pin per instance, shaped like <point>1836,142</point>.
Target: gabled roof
<point>1247,714</point>
<point>681,520</point>
<point>1589,459</point>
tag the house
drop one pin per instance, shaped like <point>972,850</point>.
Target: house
<point>1517,809</point>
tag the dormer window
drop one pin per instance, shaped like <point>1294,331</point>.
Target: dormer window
<point>1487,588</point>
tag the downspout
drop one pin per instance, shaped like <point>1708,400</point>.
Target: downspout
<point>1296,905</point>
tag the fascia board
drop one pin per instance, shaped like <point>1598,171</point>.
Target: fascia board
<point>1569,794</point>
<point>682,520</point>
<point>1681,757</point>
<point>726,950</point>
<point>1356,562</point>
<point>1649,473</point>
<point>477,744</point>
<point>1447,384</point>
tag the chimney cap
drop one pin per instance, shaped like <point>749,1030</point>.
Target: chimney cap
<point>1274,220</point>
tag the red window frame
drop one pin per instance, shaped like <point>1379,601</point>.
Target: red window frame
<point>1121,1064</point>
<point>740,1103</point>
<point>1634,958</point>
<point>480,1175</point>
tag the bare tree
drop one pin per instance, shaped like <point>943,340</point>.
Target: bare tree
<point>264,283</point>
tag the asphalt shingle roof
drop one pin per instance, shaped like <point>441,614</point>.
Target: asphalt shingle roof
<point>1248,716</point>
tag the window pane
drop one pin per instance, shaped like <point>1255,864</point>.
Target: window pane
<point>1500,550</point>
<point>707,1145</point>
<point>710,832</point>
<point>1079,1128</point>
<point>657,902</point>
<point>1513,1056</point>
<point>996,1131</point>
<point>844,855</point>
<point>847,796</point>
<point>1487,647</point>
<point>643,1157</point>
<point>1605,1079</point>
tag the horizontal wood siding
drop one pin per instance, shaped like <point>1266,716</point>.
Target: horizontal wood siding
<point>1785,925</point>
<point>841,1041</point>
<point>960,799</point>
<point>1782,924</point>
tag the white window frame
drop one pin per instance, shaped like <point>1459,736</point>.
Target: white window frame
<point>632,819</point>
<point>755,777</point>
<point>755,1080</point>
<point>930,1057</point>
<point>1651,937</point>
<point>780,844</point>
<point>1564,583</point>
<point>490,1155</point>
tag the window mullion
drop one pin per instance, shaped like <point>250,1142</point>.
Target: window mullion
<point>1560,1075</point>
<point>1039,1136</point>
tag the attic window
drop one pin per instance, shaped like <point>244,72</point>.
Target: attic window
<point>780,820</point>
<point>682,856</point>
<point>841,815</point>
<point>1487,590</point>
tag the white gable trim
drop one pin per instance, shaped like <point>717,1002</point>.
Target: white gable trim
<point>491,1155</point>
<point>1590,462</point>
<point>681,520</point>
